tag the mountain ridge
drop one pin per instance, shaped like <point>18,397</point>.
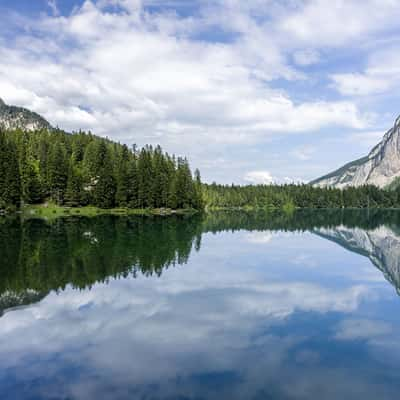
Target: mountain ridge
<point>13,117</point>
<point>381,167</point>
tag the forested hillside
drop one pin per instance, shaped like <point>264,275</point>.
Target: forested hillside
<point>299,196</point>
<point>83,169</point>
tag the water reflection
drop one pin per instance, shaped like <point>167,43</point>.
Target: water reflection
<point>38,257</point>
<point>381,245</point>
<point>266,309</point>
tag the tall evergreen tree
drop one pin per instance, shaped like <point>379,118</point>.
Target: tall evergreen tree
<point>74,195</point>
<point>133,184</point>
<point>12,185</point>
<point>145,178</point>
<point>57,173</point>
<point>198,190</point>
<point>31,186</point>
<point>105,186</point>
<point>122,178</point>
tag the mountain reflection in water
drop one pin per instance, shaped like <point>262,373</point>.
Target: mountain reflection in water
<point>38,257</point>
<point>226,305</point>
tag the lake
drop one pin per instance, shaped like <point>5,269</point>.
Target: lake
<point>229,305</point>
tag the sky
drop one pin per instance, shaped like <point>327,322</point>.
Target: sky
<point>254,91</point>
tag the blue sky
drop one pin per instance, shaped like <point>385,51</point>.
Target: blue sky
<point>252,92</point>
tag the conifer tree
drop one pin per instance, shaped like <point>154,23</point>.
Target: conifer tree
<point>74,195</point>
<point>122,178</point>
<point>198,199</point>
<point>31,186</point>
<point>145,178</point>
<point>57,173</point>
<point>12,185</point>
<point>105,187</point>
<point>79,169</point>
<point>3,163</point>
<point>133,201</point>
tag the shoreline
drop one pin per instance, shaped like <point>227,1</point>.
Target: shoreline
<point>52,211</point>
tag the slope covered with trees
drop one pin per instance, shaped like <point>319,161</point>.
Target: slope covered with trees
<point>298,196</point>
<point>83,169</point>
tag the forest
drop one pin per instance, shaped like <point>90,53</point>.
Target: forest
<point>293,196</point>
<point>83,169</point>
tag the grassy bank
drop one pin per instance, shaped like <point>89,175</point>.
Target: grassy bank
<point>52,211</point>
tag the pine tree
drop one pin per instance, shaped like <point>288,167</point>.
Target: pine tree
<point>12,184</point>
<point>133,201</point>
<point>172,201</point>
<point>198,191</point>
<point>74,195</point>
<point>184,185</point>
<point>145,178</point>
<point>3,168</point>
<point>105,187</point>
<point>122,178</point>
<point>31,187</point>
<point>57,173</point>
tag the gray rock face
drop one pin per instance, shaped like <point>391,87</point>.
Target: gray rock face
<point>12,300</point>
<point>12,117</point>
<point>381,246</point>
<point>380,167</point>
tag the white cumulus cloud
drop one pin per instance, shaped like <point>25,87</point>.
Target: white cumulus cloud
<point>196,81</point>
<point>259,177</point>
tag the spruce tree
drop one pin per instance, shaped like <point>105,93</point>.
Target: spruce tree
<point>74,195</point>
<point>105,186</point>
<point>57,173</point>
<point>122,178</point>
<point>12,184</point>
<point>198,190</point>
<point>133,201</point>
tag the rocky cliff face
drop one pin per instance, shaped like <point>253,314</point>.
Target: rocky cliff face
<point>12,300</point>
<point>381,167</point>
<point>381,246</point>
<point>12,117</point>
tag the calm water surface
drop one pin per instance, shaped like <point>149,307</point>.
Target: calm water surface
<point>224,306</point>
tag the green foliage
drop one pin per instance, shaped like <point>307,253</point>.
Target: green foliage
<point>298,196</point>
<point>57,173</point>
<point>81,169</point>
<point>10,184</point>
<point>74,195</point>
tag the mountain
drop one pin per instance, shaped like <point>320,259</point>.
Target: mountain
<point>12,117</point>
<point>380,245</point>
<point>12,300</point>
<point>381,167</point>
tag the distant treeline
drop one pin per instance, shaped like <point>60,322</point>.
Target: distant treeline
<point>83,169</point>
<point>298,196</point>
